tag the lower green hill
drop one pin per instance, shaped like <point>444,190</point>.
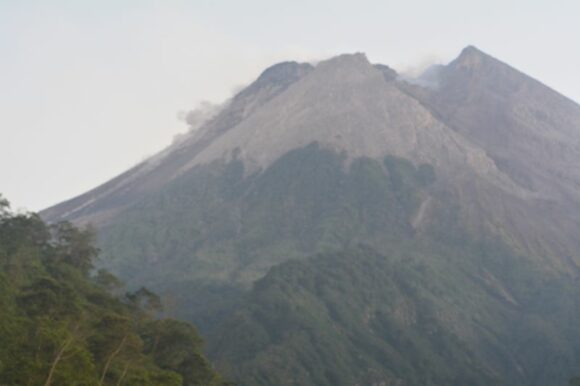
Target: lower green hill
<point>267,265</point>
<point>61,324</point>
<point>412,317</point>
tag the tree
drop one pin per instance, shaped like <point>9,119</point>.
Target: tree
<point>145,300</point>
<point>176,346</point>
<point>115,340</point>
<point>61,326</point>
<point>75,246</point>
<point>4,207</point>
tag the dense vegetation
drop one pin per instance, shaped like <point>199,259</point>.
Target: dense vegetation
<point>347,318</point>
<point>217,230</point>
<point>411,317</point>
<point>270,267</point>
<point>61,324</point>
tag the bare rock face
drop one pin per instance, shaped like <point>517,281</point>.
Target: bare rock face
<point>347,105</point>
<point>506,145</point>
<point>100,205</point>
<point>531,133</point>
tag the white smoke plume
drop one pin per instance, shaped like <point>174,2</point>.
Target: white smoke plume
<point>424,72</point>
<point>201,114</point>
<point>417,68</point>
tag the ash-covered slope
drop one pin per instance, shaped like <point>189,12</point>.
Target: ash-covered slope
<point>479,129</point>
<point>344,104</point>
<point>100,204</point>
<point>324,158</point>
<point>530,131</point>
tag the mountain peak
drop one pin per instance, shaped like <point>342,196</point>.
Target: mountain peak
<point>471,50</point>
<point>388,73</point>
<point>284,72</point>
<point>356,62</point>
<point>357,57</point>
<point>470,57</point>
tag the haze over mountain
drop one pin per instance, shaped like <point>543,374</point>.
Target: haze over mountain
<point>339,224</point>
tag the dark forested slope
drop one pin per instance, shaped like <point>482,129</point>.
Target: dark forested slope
<point>60,324</point>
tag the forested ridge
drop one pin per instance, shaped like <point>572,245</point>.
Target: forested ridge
<point>64,323</point>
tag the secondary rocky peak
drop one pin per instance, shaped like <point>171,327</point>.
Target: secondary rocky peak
<point>470,57</point>
<point>472,50</point>
<point>388,73</point>
<point>342,59</point>
<point>347,66</point>
<point>528,129</point>
<point>283,73</point>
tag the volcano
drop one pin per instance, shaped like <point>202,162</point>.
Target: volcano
<point>340,224</point>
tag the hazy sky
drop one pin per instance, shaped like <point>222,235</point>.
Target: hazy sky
<point>89,88</point>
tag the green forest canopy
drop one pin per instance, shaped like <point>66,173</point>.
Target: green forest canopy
<point>65,324</point>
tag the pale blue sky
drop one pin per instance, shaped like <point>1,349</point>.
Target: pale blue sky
<point>89,88</point>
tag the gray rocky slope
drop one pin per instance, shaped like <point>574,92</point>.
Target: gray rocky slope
<point>504,145</point>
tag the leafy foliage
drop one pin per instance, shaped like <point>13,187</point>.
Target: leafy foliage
<point>410,317</point>
<point>61,326</point>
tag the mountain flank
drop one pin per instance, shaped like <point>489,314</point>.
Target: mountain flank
<point>341,224</point>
